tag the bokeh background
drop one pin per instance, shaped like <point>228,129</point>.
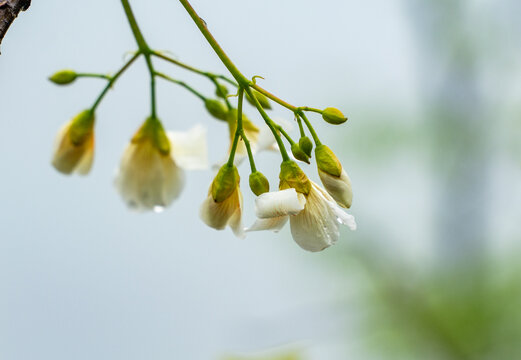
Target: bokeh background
<point>433,93</point>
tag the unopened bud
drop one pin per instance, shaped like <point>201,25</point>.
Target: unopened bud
<point>333,116</point>
<point>63,77</point>
<point>292,176</point>
<point>225,183</point>
<point>216,108</point>
<point>258,183</point>
<point>261,98</point>
<point>298,153</point>
<point>327,161</point>
<point>306,145</point>
<point>221,91</point>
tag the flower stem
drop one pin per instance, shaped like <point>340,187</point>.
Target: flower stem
<point>145,50</point>
<point>238,129</point>
<point>183,84</point>
<point>91,75</point>
<point>311,130</point>
<point>240,132</point>
<point>193,69</point>
<point>142,44</point>
<point>274,98</point>
<point>300,126</point>
<point>286,135</point>
<point>270,123</point>
<point>216,83</point>
<point>113,79</point>
<point>243,82</point>
<point>238,76</point>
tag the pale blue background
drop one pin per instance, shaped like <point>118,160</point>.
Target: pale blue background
<point>81,277</point>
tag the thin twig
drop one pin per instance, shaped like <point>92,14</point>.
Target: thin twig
<point>9,10</point>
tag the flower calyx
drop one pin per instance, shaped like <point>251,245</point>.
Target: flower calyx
<point>292,176</point>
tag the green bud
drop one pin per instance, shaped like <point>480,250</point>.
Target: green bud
<point>221,91</point>
<point>63,77</point>
<point>216,108</point>
<point>327,161</point>
<point>152,130</point>
<point>225,183</point>
<point>306,145</point>
<point>292,176</point>
<point>82,126</point>
<point>333,116</point>
<point>298,153</point>
<point>258,183</point>
<point>261,98</point>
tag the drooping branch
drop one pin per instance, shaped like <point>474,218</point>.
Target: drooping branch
<point>9,10</point>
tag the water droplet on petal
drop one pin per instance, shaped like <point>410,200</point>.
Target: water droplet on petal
<point>159,209</point>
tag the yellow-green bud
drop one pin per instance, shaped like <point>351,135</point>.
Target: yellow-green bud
<point>292,176</point>
<point>298,153</point>
<point>261,98</point>
<point>152,130</point>
<point>216,108</point>
<point>258,183</point>
<point>333,116</point>
<point>82,126</point>
<point>306,145</point>
<point>327,161</point>
<point>63,77</point>
<point>221,91</point>
<point>225,183</point>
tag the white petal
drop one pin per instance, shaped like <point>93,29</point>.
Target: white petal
<point>278,203</point>
<point>189,149</point>
<point>265,140</point>
<point>338,187</point>
<point>85,164</point>
<point>148,180</point>
<point>275,224</point>
<point>343,217</point>
<point>219,214</point>
<point>316,227</point>
<point>235,221</point>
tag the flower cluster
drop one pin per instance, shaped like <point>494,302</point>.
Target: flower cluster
<point>151,173</point>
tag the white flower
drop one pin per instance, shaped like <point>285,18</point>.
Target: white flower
<point>74,145</point>
<point>218,215</point>
<point>339,187</point>
<point>333,176</point>
<point>314,219</point>
<point>223,205</point>
<point>151,173</point>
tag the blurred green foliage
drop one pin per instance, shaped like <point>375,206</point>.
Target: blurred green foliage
<point>282,356</point>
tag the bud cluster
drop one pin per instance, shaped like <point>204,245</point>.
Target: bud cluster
<point>151,172</point>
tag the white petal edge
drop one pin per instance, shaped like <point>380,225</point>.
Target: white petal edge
<point>189,148</point>
<point>338,187</point>
<point>279,203</point>
<point>342,217</point>
<point>275,224</point>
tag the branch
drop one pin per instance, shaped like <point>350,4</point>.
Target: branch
<point>9,10</point>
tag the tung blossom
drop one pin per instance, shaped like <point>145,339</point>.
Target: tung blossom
<point>74,145</point>
<point>314,218</point>
<point>333,176</point>
<point>223,205</point>
<point>151,173</point>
